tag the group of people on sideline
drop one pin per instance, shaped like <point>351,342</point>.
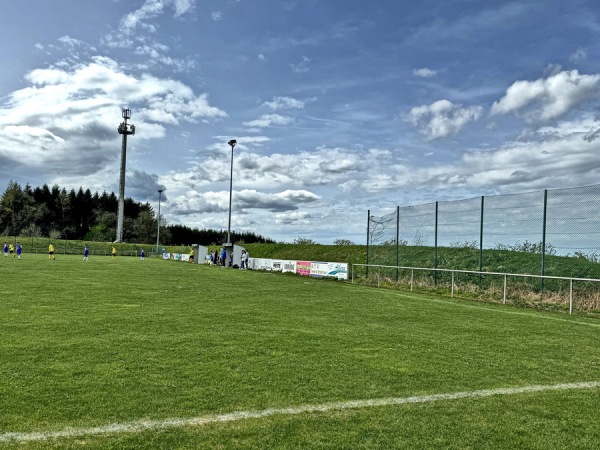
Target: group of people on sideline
<point>219,258</point>
<point>13,251</point>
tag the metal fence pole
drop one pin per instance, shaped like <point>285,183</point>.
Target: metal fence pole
<point>435,258</point>
<point>368,234</point>
<point>544,236</point>
<point>481,241</point>
<point>571,297</point>
<point>397,243</point>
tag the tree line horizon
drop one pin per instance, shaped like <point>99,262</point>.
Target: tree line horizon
<point>56,213</point>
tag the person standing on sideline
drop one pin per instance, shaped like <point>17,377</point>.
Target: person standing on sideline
<point>191,255</point>
<point>51,251</point>
<point>223,257</point>
<point>114,253</point>
<point>5,249</point>
<point>19,250</point>
<point>86,253</point>
<point>242,260</point>
<point>245,257</point>
<point>11,250</point>
<point>142,255</point>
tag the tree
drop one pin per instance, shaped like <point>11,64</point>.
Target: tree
<point>17,208</point>
<point>144,227</point>
<point>304,241</point>
<point>343,242</point>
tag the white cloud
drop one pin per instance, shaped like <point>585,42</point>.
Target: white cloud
<point>302,66</point>
<point>268,120</point>
<point>548,98</point>
<point>578,56</point>
<point>69,41</point>
<point>216,16</point>
<point>552,156</point>
<point>424,72</point>
<point>293,218</point>
<point>211,202</point>
<point>284,103</point>
<point>183,7</point>
<point>442,118</point>
<point>151,9</point>
<point>67,118</point>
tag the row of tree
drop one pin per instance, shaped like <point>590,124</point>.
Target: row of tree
<point>57,213</point>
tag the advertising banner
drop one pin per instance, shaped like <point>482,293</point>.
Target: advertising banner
<point>337,270</point>
<point>289,266</point>
<point>260,264</point>
<point>306,268</point>
<point>303,267</point>
<point>318,269</point>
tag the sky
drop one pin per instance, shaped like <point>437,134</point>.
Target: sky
<point>338,106</point>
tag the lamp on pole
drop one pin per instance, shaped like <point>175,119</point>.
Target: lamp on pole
<point>232,142</point>
<point>160,191</point>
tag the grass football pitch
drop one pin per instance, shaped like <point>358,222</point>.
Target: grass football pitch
<point>129,354</point>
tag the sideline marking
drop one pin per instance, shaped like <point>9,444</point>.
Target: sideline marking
<point>147,425</point>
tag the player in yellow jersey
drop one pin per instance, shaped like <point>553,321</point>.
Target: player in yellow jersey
<point>51,251</point>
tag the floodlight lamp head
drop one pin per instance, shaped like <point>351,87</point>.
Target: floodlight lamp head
<point>126,113</point>
<point>232,143</point>
<point>160,191</point>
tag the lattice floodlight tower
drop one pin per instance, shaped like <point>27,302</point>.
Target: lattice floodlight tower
<point>124,130</point>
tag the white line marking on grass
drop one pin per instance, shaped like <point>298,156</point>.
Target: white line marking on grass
<point>149,425</point>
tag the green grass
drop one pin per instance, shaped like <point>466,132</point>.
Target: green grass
<point>116,341</point>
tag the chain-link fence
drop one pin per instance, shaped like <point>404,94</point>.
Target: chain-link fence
<point>535,233</point>
<point>547,233</point>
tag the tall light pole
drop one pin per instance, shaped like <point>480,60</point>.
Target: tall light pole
<point>160,191</point>
<point>232,142</point>
<point>124,129</point>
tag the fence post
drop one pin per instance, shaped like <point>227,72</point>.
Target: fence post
<point>435,257</point>
<point>481,242</point>
<point>397,243</point>
<point>452,288</point>
<point>504,295</point>
<point>571,297</point>
<point>544,237</point>
<point>412,277</point>
<point>368,234</point>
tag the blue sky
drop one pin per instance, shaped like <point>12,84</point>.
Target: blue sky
<point>338,106</point>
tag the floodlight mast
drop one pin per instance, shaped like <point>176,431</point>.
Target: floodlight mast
<point>124,129</point>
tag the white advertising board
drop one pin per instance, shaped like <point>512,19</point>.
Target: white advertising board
<point>307,268</point>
